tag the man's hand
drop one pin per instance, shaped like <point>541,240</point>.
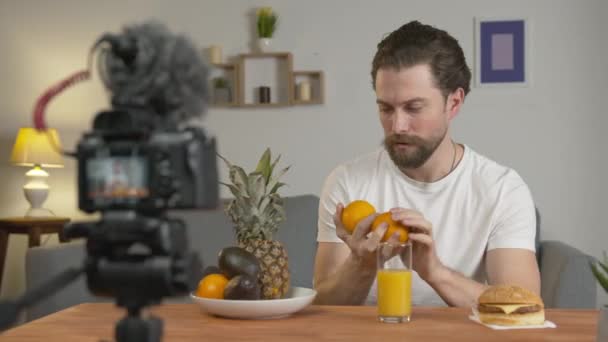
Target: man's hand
<point>344,272</point>
<point>425,260</point>
<point>362,243</point>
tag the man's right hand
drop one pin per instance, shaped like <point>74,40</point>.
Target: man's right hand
<point>344,273</point>
<point>362,243</point>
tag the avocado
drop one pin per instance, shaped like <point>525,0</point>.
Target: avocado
<point>243,287</point>
<point>209,270</point>
<point>234,261</point>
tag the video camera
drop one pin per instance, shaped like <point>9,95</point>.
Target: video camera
<point>124,167</point>
<point>140,160</point>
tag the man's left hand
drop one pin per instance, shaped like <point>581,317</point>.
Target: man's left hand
<point>425,260</point>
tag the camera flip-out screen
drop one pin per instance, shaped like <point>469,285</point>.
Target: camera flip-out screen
<point>117,179</point>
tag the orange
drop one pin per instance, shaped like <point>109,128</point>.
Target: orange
<point>354,212</point>
<point>212,286</point>
<point>393,226</point>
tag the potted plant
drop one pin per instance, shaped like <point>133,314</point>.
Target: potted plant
<point>600,271</point>
<point>221,90</point>
<point>266,25</point>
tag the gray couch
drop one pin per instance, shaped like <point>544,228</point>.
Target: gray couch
<point>566,279</point>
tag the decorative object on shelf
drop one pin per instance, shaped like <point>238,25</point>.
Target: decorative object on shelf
<point>215,54</point>
<point>221,91</point>
<point>310,87</point>
<point>600,271</point>
<point>266,26</point>
<point>264,94</point>
<point>304,91</point>
<point>502,52</point>
<point>35,149</point>
<point>225,97</point>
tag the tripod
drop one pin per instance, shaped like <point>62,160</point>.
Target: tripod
<point>135,328</point>
<point>132,328</point>
<point>137,260</point>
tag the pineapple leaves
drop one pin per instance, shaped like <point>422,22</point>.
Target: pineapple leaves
<point>255,188</point>
<point>275,181</point>
<point>233,189</point>
<point>276,187</point>
<point>228,164</point>
<point>257,209</point>
<point>264,166</point>
<point>237,175</point>
<point>274,163</point>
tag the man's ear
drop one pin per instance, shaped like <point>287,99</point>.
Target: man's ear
<point>454,102</point>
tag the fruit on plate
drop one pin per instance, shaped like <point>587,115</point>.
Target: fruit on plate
<point>354,212</point>
<point>257,210</point>
<point>234,261</point>
<point>211,269</point>
<point>212,286</point>
<point>243,287</point>
<point>393,227</point>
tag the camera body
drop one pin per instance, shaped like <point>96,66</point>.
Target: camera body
<point>127,164</point>
<point>133,172</point>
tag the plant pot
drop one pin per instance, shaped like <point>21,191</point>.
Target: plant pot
<point>265,44</point>
<point>602,324</point>
<point>222,95</point>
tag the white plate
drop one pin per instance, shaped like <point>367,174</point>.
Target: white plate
<point>297,299</point>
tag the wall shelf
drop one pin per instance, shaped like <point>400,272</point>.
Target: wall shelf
<point>249,71</point>
<point>273,70</point>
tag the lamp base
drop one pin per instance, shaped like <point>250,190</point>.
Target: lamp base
<point>36,190</point>
<point>39,212</point>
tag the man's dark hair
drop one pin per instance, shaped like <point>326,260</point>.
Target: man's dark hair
<point>414,44</point>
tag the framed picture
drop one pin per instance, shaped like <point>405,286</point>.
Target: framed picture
<point>502,52</point>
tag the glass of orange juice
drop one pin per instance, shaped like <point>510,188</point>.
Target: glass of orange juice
<point>394,282</point>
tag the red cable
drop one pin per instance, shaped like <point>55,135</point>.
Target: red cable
<point>47,96</point>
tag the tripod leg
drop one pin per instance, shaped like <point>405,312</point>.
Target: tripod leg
<point>136,329</point>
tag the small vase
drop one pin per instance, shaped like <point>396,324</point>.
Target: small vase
<point>602,324</point>
<point>265,44</point>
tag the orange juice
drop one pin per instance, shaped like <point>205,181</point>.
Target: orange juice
<point>394,293</point>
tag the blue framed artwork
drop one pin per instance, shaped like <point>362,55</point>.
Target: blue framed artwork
<point>502,50</point>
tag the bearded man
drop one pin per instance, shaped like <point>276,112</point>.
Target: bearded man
<point>472,221</point>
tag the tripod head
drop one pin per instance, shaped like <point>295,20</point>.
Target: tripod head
<point>137,259</point>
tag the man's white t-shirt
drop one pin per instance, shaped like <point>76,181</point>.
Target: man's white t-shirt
<point>479,206</point>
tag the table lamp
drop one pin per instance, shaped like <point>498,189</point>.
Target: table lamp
<point>35,149</point>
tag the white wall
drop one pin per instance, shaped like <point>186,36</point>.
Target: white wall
<point>602,142</point>
<point>551,132</point>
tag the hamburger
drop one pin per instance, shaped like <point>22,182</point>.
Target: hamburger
<point>510,305</point>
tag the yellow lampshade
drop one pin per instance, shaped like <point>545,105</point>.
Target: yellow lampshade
<point>33,147</point>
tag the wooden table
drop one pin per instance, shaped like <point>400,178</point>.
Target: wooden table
<point>184,322</point>
<point>33,227</point>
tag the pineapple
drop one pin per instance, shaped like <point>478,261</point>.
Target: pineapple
<point>257,210</point>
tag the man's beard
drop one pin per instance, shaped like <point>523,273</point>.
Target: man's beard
<point>423,149</point>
